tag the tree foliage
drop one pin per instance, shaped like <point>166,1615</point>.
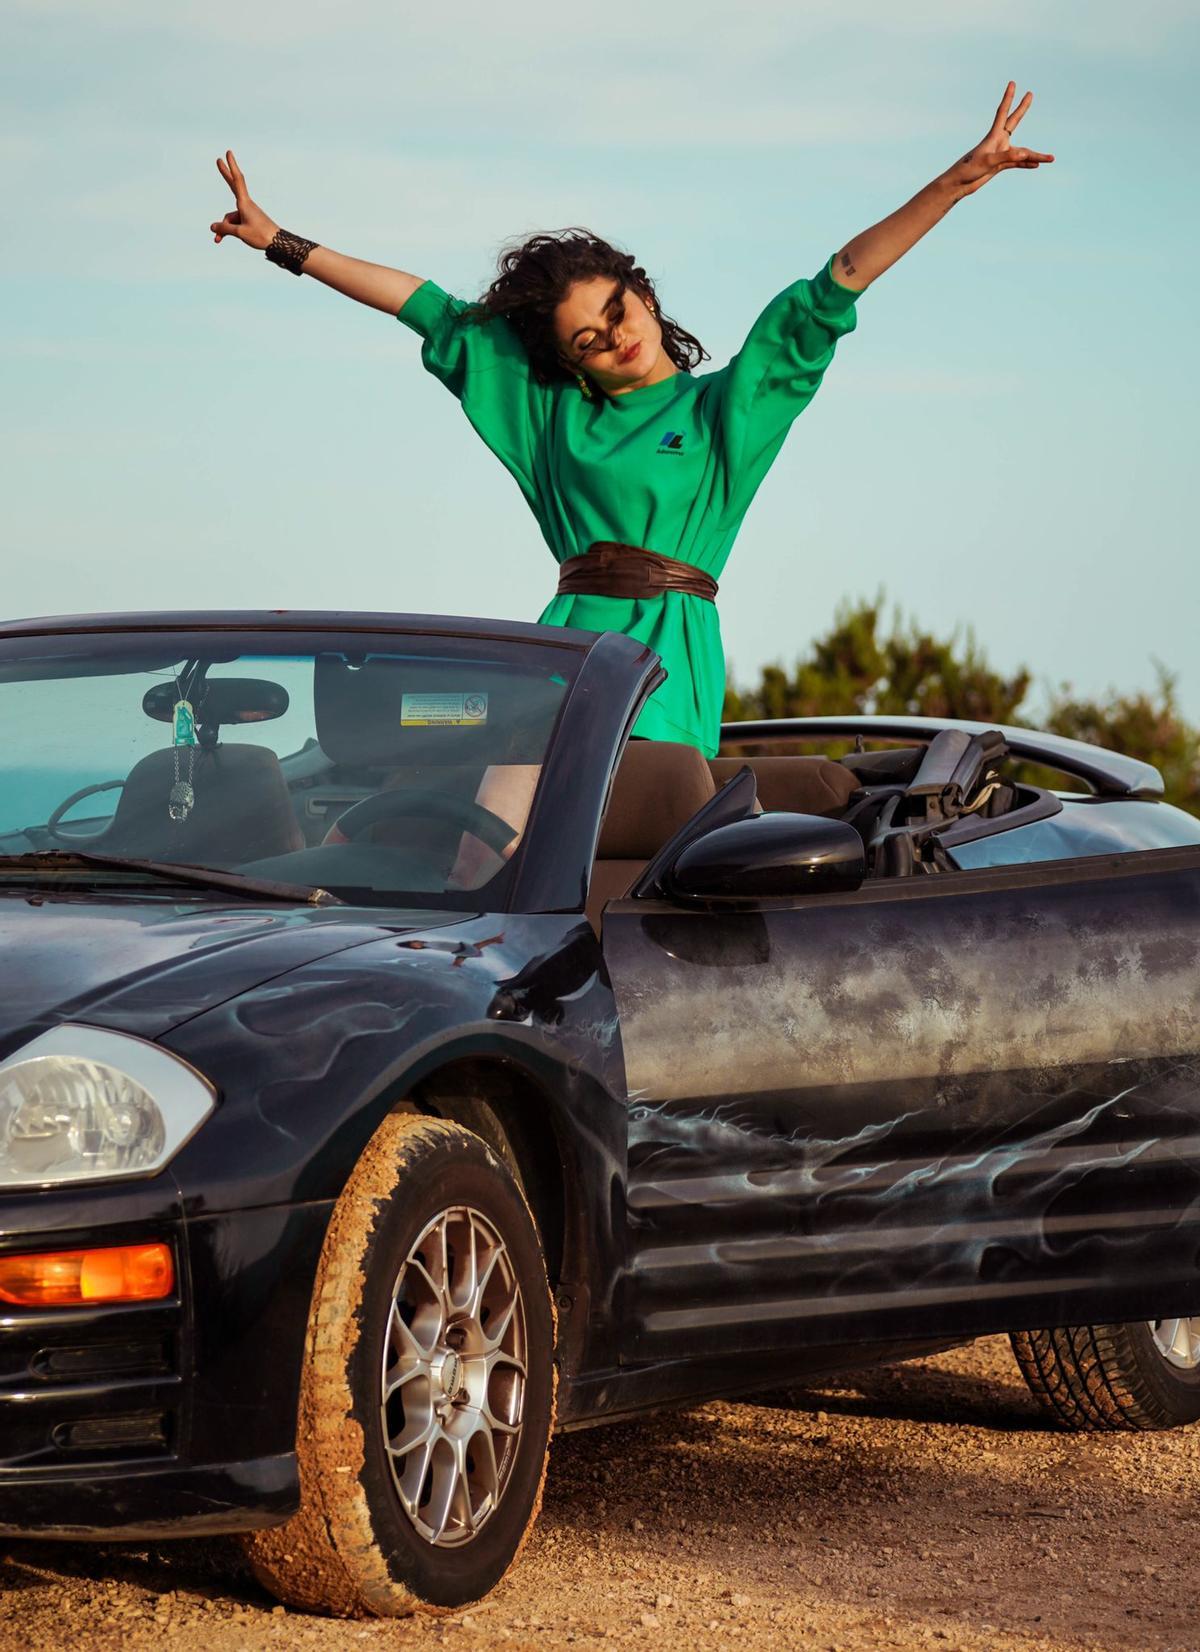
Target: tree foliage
<point>870,664</point>
<point>1142,724</point>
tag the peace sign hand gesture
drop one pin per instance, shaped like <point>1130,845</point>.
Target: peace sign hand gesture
<point>996,153</point>
<point>248,222</point>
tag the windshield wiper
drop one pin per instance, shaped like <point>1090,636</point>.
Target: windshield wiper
<point>181,872</point>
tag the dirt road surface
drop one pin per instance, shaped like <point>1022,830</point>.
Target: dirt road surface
<point>920,1506</point>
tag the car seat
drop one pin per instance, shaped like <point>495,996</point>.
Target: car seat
<point>797,785</point>
<point>659,785</point>
<point>243,810</point>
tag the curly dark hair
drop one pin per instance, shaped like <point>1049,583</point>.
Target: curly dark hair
<point>535,277</point>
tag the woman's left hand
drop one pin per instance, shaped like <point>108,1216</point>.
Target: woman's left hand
<point>865,258</point>
<point>996,153</point>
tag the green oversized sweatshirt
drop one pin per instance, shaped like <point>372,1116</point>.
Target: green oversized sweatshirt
<point>670,466</point>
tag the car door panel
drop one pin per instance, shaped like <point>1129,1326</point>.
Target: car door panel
<point>957,1102</point>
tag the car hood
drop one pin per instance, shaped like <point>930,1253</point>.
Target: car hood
<point>145,966</point>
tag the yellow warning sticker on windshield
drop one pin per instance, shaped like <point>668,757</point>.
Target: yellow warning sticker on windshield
<point>443,710</point>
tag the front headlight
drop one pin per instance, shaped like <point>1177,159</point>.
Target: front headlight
<point>82,1105</point>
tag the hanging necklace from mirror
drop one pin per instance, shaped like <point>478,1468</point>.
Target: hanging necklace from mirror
<point>182,797</point>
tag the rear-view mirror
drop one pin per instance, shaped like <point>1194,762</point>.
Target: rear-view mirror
<point>221,701</point>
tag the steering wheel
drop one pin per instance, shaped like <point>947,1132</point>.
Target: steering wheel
<point>69,803</point>
<point>401,804</point>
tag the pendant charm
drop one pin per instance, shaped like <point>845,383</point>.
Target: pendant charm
<point>180,801</point>
<point>183,724</point>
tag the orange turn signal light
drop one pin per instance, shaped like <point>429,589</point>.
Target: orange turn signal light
<point>72,1278</point>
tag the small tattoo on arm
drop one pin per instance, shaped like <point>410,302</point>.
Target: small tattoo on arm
<point>847,264</point>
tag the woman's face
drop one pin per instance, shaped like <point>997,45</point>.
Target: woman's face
<point>611,335</point>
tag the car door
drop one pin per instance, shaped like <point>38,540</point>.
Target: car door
<point>944,1104</point>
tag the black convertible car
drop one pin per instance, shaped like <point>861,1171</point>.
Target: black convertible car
<point>397,1062</point>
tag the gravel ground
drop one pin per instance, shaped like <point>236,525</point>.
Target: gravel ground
<point>921,1505</point>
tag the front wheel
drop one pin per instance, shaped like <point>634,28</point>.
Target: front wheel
<point>427,1397</point>
<point>1144,1375</point>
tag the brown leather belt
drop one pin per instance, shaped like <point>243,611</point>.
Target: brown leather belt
<point>610,569</point>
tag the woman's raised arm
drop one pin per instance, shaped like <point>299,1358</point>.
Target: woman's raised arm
<point>860,261</point>
<point>374,284</point>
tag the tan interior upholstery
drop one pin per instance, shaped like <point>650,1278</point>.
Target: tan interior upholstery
<point>799,785</point>
<point>610,880</point>
<point>657,788</point>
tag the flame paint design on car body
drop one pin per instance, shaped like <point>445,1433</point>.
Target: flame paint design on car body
<point>954,1106</point>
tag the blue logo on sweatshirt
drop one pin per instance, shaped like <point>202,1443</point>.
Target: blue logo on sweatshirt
<point>672,442</point>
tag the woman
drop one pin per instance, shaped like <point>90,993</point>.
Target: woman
<point>638,470</point>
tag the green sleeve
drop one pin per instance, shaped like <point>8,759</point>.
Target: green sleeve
<point>486,367</point>
<point>777,372</point>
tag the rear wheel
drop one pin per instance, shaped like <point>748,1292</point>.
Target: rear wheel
<point>1144,1375</point>
<point>428,1392</point>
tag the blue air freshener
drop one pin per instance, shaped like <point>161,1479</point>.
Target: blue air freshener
<point>183,724</point>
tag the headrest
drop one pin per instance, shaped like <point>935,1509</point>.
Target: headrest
<point>799,785</point>
<point>658,786</point>
<point>387,712</point>
<point>242,810</point>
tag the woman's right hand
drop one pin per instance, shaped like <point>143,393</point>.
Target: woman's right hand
<point>248,222</point>
<point>374,284</point>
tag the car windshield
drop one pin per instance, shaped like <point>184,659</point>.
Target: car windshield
<point>393,768</point>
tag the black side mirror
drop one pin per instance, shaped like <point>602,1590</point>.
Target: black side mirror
<point>768,856</point>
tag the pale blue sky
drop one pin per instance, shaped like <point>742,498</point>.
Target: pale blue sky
<point>1005,441</point>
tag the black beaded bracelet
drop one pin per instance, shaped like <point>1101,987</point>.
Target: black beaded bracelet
<point>289,251</point>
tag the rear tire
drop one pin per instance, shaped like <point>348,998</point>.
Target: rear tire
<point>1145,1375</point>
<point>427,1397</point>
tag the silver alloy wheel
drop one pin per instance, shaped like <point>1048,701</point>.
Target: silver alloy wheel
<point>454,1367</point>
<point>1178,1341</point>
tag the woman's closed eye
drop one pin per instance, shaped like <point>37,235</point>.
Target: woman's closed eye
<point>589,343</point>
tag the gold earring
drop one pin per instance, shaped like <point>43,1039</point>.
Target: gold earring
<point>585,388</point>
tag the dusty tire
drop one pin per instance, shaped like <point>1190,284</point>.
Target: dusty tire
<point>361,1545</point>
<point>1098,1377</point>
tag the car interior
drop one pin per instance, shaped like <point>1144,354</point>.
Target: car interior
<point>905,802</point>
<point>369,802</point>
